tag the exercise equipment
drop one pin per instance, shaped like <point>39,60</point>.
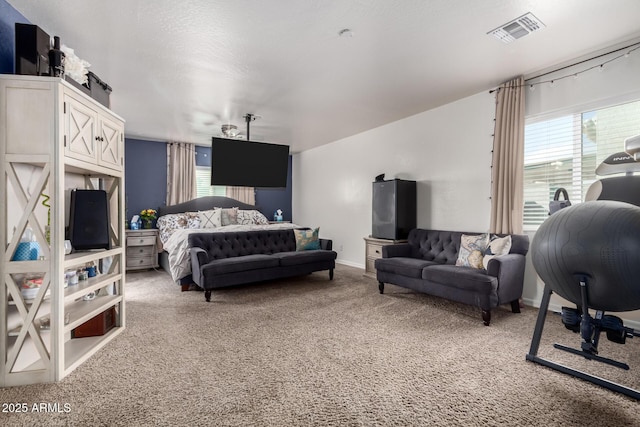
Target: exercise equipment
<point>589,254</point>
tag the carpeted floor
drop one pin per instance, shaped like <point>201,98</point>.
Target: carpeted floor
<point>309,351</point>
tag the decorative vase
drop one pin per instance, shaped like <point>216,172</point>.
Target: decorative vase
<point>147,223</point>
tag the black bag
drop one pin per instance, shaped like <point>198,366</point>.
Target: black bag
<point>556,204</point>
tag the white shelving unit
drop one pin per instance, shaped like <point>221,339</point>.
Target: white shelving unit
<point>53,138</point>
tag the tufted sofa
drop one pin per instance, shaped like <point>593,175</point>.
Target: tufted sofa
<point>232,258</point>
<point>426,263</point>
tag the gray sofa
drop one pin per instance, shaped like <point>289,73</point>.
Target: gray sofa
<point>232,258</point>
<point>426,263</point>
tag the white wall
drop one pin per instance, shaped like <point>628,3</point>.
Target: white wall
<point>447,150</point>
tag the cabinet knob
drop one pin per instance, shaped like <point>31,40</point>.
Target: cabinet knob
<point>141,240</point>
<point>141,250</point>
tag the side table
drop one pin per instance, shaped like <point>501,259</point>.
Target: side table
<point>142,249</point>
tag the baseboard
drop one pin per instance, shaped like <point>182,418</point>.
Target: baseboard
<point>556,308</point>
<point>350,264</point>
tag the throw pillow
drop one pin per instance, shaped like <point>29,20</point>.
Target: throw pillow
<point>497,246</point>
<point>250,217</point>
<point>472,249</point>
<point>211,218</point>
<point>229,215</point>
<point>307,239</point>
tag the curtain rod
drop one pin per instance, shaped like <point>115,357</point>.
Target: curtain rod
<point>635,46</point>
<point>581,62</point>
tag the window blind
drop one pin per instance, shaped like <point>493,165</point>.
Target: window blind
<point>564,152</point>
<point>203,183</point>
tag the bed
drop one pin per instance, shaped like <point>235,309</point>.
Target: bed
<point>177,222</point>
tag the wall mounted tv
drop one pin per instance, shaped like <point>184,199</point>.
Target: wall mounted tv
<point>248,164</point>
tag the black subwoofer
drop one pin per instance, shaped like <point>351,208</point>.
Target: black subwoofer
<point>89,220</point>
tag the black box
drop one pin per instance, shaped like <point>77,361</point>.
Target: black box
<point>99,90</point>
<point>32,50</point>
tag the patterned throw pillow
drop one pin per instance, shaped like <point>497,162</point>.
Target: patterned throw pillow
<point>497,246</point>
<point>472,249</point>
<point>248,217</point>
<point>211,218</point>
<point>307,239</point>
<point>229,215</point>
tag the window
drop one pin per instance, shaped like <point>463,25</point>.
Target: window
<point>565,151</point>
<point>203,183</point>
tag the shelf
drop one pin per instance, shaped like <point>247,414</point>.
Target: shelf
<point>82,257</point>
<point>81,311</point>
<point>83,287</point>
<point>72,142</point>
<point>29,358</point>
<point>14,320</point>
<point>78,350</point>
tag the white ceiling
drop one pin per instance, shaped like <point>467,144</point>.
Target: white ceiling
<point>181,69</point>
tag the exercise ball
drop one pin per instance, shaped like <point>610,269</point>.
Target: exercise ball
<point>598,240</point>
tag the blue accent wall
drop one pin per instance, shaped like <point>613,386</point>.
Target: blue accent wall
<point>145,172</point>
<point>8,18</point>
<point>270,200</point>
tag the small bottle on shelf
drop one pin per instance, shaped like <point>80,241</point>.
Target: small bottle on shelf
<point>56,59</point>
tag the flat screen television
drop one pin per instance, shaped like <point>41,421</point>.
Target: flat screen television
<point>248,164</point>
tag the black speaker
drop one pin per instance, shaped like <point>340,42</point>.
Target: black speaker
<point>89,220</point>
<point>394,209</point>
<point>32,50</point>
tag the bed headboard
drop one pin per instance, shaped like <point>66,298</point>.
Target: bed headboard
<point>203,204</point>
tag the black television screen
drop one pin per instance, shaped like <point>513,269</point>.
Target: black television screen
<point>248,164</point>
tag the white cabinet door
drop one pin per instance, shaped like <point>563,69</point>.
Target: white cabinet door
<point>110,138</point>
<point>80,130</point>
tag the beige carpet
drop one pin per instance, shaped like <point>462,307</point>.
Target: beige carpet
<point>308,351</point>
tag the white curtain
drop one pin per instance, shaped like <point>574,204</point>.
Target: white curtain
<point>243,194</point>
<point>508,159</point>
<point>181,172</point>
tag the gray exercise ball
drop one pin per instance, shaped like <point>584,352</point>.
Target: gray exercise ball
<point>599,240</point>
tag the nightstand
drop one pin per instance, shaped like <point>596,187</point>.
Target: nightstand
<point>374,251</point>
<point>142,249</point>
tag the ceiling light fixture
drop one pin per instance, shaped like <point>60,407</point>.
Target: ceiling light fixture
<point>230,130</point>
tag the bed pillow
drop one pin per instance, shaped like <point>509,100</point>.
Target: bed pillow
<point>472,248</point>
<point>229,215</point>
<point>497,246</point>
<point>307,239</point>
<point>211,218</point>
<point>167,224</point>
<point>248,217</point>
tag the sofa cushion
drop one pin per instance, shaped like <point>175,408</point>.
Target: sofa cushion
<point>304,257</point>
<point>240,263</point>
<point>497,246</point>
<point>411,267</point>
<point>472,249</point>
<point>307,239</point>
<point>467,278</point>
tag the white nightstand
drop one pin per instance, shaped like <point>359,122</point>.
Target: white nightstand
<point>142,249</point>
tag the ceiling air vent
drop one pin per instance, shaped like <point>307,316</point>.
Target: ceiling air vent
<point>517,28</point>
